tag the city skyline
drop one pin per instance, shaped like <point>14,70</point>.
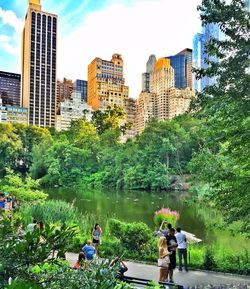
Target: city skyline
<point>155,30</point>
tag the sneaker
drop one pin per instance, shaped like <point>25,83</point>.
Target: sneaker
<point>171,280</point>
<point>180,269</point>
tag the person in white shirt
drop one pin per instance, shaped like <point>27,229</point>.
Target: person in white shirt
<point>182,248</point>
<point>31,227</point>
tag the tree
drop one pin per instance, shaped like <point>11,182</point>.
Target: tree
<point>224,109</point>
<point>111,118</point>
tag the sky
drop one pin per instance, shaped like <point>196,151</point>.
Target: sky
<point>99,28</point>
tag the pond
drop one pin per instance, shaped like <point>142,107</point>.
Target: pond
<point>139,206</point>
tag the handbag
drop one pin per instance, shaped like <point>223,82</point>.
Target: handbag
<point>163,262</point>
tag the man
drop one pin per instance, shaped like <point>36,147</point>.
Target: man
<point>32,226</point>
<point>165,231</point>
<point>182,248</point>
<point>172,245</point>
<point>89,251</point>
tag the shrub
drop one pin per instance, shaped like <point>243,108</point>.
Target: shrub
<point>133,236</point>
<point>209,261</point>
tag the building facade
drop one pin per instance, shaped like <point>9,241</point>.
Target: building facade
<point>182,65</point>
<point>13,114</point>
<point>82,87</point>
<point>39,65</point>
<point>106,85</point>
<point>146,75</point>
<point>64,89</point>
<point>163,100</point>
<point>71,109</point>
<point>10,88</point>
<point>209,31</point>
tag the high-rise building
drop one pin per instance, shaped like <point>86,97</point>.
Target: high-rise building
<point>182,64</point>
<point>10,88</point>
<point>82,87</point>
<point>146,75</point>
<point>209,31</point>
<point>13,114</point>
<point>130,110</point>
<point>146,109</point>
<point>64,90</point>
<point>71,109</point>
<point>39,65</point>
<point>106,85</point>
<point>163,100</point>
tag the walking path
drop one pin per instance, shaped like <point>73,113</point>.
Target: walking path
<point>190,278</point>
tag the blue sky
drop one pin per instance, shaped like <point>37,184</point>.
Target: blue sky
<point>91,28</point>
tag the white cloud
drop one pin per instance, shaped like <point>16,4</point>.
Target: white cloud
<point>9,18</point>
<point>162,27</point>
<point>11,43</point>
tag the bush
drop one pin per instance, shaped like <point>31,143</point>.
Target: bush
<point>209,261</point>
<point>133,236</point>
<point>55,212</point>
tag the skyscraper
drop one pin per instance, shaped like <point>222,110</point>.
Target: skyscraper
<point>182,64</point>
<point>10,88</point>
<point>39,53</point>
<point>146,75</point>
<point>209,31</point>
<point>106,85</point>
<point>82,87</point>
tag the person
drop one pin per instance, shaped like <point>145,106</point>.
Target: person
<point>165,231</point>
<point>96,234</point>
<point>32,226</point>
<point>182,248</point>
<point>2,202</point>
<point>80,262</point>
<point>122,269</point>
<point>40,225</point>
<point>89,251</point>
<point>163,261</point>
<point>172,245</point>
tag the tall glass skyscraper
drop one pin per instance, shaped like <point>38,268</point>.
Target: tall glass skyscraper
<point>10,88</point>
<point>82,87</point>
<point>182,64</point>
<point>39,52</point>
<point>199,55</point>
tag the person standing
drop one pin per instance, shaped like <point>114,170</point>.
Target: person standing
<point>172,245</point>
<point>182,248</point>
<point>89,251</point>
<point>163,261</point>
<point>96,234</point>
<point>165,231</point>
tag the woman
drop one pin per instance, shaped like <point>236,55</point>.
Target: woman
<point>163,261</point>
<point>96,234</point>
<point>80,263</point>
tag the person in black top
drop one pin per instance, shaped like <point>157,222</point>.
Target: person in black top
<point>172,245</point>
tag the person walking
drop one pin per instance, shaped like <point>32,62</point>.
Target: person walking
<point>172,245</point>
<point>96,234</point>
<point>163,261</point>
<point>182,248</point>
<point>89,251</point>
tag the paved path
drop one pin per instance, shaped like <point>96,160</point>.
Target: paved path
<point>190,278</point>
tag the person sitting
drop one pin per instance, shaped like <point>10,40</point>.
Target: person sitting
<point>89,251</point>
<point>122,267</point>
<point>80,262</point>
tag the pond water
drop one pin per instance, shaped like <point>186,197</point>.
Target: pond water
<point>139,206</point>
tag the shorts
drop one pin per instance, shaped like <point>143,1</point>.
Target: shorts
<point>172,258</point>
<point>96,241</point>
